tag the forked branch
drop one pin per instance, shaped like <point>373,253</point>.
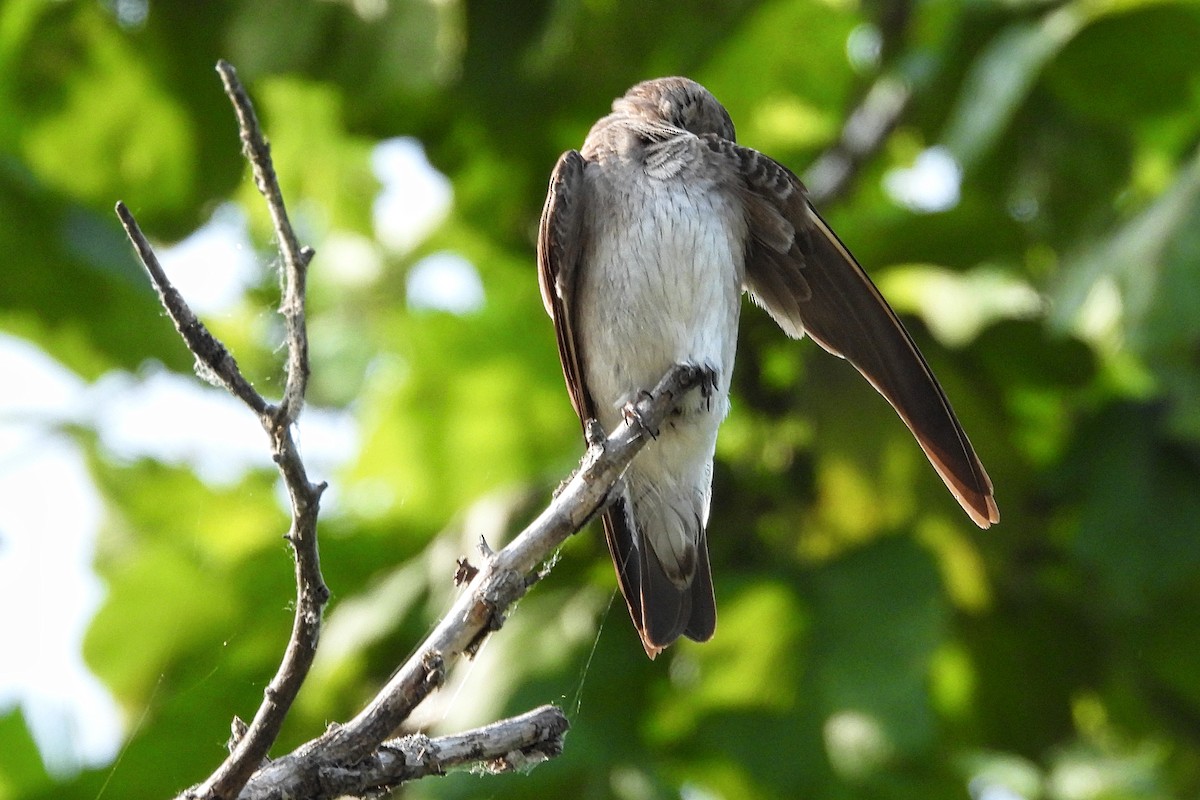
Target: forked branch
<point>216,364</point>
<point>358,757</point>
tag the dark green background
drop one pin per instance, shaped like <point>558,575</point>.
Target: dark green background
<point>871,642</point>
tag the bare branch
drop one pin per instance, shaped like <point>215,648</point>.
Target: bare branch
<point>311,592</point>
<point>503,579</point>
<point>213,360</point>
<point>295,258</point>
<point>252,744</point>
<point>508,574</point>
<point>511,744</point>
<point>356,757</point>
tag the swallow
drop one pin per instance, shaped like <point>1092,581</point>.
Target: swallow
<point>648,238</point>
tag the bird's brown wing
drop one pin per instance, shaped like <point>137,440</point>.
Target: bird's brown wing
<point>559,246</point>
<point>806,279</point>
<point>661,612</point>
<point>559,250</point>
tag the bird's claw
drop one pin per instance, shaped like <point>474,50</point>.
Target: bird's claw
<point>593,433</point>
<point>634,417</point>
<point>709,382</point>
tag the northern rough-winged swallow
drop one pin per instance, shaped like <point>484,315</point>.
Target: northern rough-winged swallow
<point>649,236</point>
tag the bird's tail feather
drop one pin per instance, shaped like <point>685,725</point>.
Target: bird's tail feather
<point>661,610</point>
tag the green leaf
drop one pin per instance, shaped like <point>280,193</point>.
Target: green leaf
<point>21,770</point>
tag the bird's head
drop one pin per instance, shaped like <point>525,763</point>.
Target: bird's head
<point>680,102</point>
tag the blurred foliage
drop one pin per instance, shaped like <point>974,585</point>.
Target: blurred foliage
<point>872,643</point>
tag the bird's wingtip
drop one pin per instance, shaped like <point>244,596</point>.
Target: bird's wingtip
<point>982,510</point>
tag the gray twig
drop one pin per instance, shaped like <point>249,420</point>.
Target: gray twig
<point>512,744</point>
<point>504,578</point>
<point>311,592</point>
<point>356,756</point>
<point>214,361</point>
<point>295,258</point>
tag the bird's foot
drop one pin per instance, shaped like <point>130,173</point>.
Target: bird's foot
<point>593,433</point>
<point>631,414</point>
<point>708,381</point>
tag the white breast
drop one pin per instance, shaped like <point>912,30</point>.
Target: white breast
<point>660,282</point>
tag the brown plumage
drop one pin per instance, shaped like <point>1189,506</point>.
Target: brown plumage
<point>647,239</point>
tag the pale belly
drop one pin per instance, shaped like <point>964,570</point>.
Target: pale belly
<point>661,286</point>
